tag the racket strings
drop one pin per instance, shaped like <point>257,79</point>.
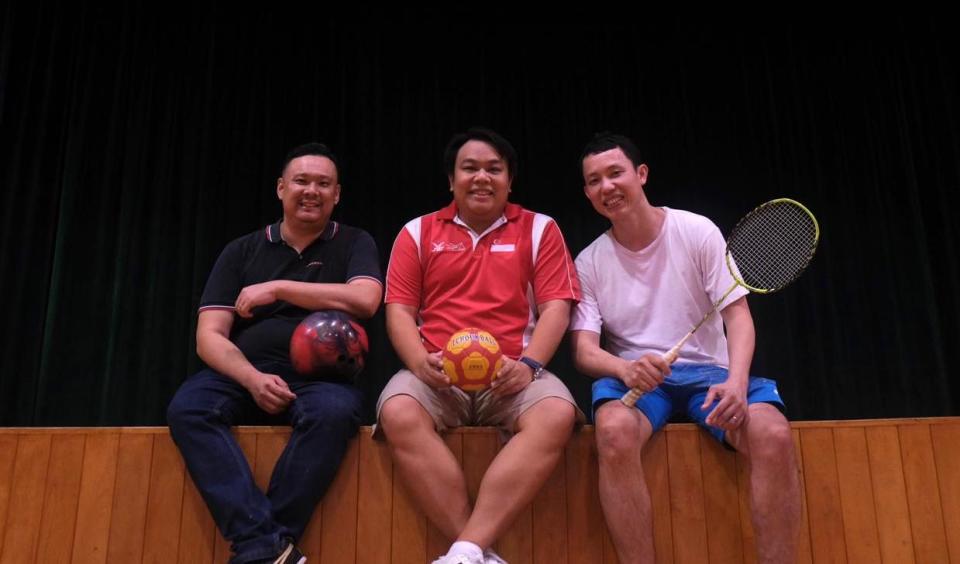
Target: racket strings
<point>772,245</point>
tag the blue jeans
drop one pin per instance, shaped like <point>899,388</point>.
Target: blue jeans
<point>324,417</point>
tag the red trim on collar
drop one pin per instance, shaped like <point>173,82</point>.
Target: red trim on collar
<point>330,231</point>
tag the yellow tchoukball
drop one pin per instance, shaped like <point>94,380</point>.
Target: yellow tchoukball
<point>471,359</point>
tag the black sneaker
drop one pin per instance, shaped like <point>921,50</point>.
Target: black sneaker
<point>290,555</point>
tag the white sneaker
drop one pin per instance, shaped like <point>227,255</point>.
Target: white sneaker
<point>491,557</point>
<point>290,555</point>
<point>458,559</point>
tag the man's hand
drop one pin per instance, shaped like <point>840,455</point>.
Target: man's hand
<point>255,295</point>
<point>731,411</point>
<point>512,377</point>
<point>271,393</point>
<point>645,373</point>
<point>430,371</point>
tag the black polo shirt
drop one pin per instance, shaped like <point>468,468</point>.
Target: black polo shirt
<point>341,254</point>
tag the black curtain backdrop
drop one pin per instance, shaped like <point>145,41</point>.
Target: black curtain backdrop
<point>135,145</point>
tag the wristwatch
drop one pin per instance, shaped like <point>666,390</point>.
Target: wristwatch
<point>534,365</point>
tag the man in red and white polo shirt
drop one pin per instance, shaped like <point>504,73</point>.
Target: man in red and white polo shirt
<point>480,262</point>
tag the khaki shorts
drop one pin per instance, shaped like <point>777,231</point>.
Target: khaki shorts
<point>452,407</point>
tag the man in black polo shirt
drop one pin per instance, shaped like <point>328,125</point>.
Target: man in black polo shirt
<point>260,288</point>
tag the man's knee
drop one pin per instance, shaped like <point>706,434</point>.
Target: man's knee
<point>771,438</point>
<point>328,411</point>
<point>553,418</point>
<point>182,413</point>
<point>620,431</point>
<point>553,413</point>
<point>403,416</point>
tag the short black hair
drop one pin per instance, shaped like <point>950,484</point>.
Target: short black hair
<point>312,148</point>
<point>605,141</point>
<point>488,136</point>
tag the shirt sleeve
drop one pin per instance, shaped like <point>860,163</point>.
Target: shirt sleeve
<point>224,283</point>
<point>404,273</point>
<point>555,277</point>
<point>586,315</point>
<point>364,261</point>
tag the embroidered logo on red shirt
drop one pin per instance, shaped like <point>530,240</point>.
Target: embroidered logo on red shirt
<point>447,247</point>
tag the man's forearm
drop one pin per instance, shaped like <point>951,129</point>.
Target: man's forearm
<point>741,339</point>
<point>220,354</point>
<point>595,362</point>
<point>405,336</point>
<point>360,299</point>
<point>552,324</point>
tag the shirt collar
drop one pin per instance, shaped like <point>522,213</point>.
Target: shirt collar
<point>449,213</point>
<point>272,231</point>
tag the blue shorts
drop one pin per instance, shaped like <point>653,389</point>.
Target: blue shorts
<point>685,389</point>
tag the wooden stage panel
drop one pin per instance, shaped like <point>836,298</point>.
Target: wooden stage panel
<point>874,491</point>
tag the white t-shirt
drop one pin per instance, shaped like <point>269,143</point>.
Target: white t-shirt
<point>646,301</point>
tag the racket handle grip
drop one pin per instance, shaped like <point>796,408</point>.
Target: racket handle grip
<point>673,353</point>
<point>630,398</point>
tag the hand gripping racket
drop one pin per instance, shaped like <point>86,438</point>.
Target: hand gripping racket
<point>767,250</point>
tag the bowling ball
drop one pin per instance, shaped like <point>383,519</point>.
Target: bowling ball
<point>329,344</point>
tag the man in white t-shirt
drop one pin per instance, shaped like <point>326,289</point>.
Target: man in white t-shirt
<point>646,282</point>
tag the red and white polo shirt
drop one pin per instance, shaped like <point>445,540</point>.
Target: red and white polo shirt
<point>493,281</point>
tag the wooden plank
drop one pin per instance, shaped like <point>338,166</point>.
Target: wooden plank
<point>686,497</point>
<point>248,444</point>
<point>657,475</point>
<point>516,544</point>
<point>269,448</point>
<point>804,551</point>
<point>375,501</point>
<point>609,552</point>
<point>584,514</point>
<point>129,514</point>
<point>8,455</point>
<point>856,495</point>
<point>161,537</point>
<point>923,494</point>
<point>549,513</point>
<point>25,507</point>
<point>409,529</point>
<point>720,500</point>
<point>823,495</point>
<point>311,542</point>
<point>945,438</point>
<point>867,423</point>
<point>890,495</point>
<point>196,527</point>
<point>748,541</point>
<point>60,502</point>
<point>436,542</point>
<point>479,450</point>
<point>95,503</point>
<point>339,507</point>
<point>899,480</point>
